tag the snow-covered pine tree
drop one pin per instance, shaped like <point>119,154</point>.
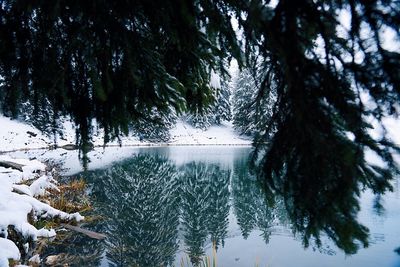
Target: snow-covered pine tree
<point>242,108</point>
<point>218,110</point>
<point>49,123</point>
<point>251,106</point>
<point>155,127</point>
<point>222,107</point>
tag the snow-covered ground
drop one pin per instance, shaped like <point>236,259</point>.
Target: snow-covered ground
<point>223,134</point>
<point>17,200</point>
<point>15,135</point>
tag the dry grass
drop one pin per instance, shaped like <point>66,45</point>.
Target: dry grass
<point>71,197</point>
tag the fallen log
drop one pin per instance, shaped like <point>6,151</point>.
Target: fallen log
<point>84,231</point>
<point>12,165</point>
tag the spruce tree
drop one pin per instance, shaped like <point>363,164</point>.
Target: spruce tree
<point>222,107</point>
<point>251,108</point>
<point>217,111</point>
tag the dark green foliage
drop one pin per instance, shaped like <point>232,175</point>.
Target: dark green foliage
<point>155,127</point>
<point>110,60</point>
<point>115,61</point>
<point>306,153</point>
<point>48,123</point>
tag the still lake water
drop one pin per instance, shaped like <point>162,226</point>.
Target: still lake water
<point>162,206</point>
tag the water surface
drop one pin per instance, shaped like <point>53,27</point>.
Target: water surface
<point>162,206</point>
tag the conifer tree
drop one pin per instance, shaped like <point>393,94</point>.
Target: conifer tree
<point>222,107</point>
<point>217,111</point>
<point>251,110</point>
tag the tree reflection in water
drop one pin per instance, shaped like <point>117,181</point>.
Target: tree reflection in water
<point>139,197</point>
<point>252,207</point>
<point>204,207</point>
<point>154,209</point>
<point>145,198</point>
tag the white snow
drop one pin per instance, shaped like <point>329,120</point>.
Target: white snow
<point>17,201</point>
<point>215,80</point>
<point>39,186</point>
<point>223,134</point>
<point>16,135</point>
<point>8,250</point>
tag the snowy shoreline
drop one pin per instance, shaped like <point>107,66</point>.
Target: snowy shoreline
<point>125,146</point>
<point>20,206</point>
<point>18,136</point>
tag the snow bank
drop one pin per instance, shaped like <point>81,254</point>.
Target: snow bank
<point>17,201</point>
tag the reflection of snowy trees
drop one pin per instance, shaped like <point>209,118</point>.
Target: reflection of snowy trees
<point>146,198</point>
<point>195,194</point>
<point>204,206</point>
<point>140,198</point>
<point>143,199</point>
<point>218,209</point>
<point>253,209</point>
